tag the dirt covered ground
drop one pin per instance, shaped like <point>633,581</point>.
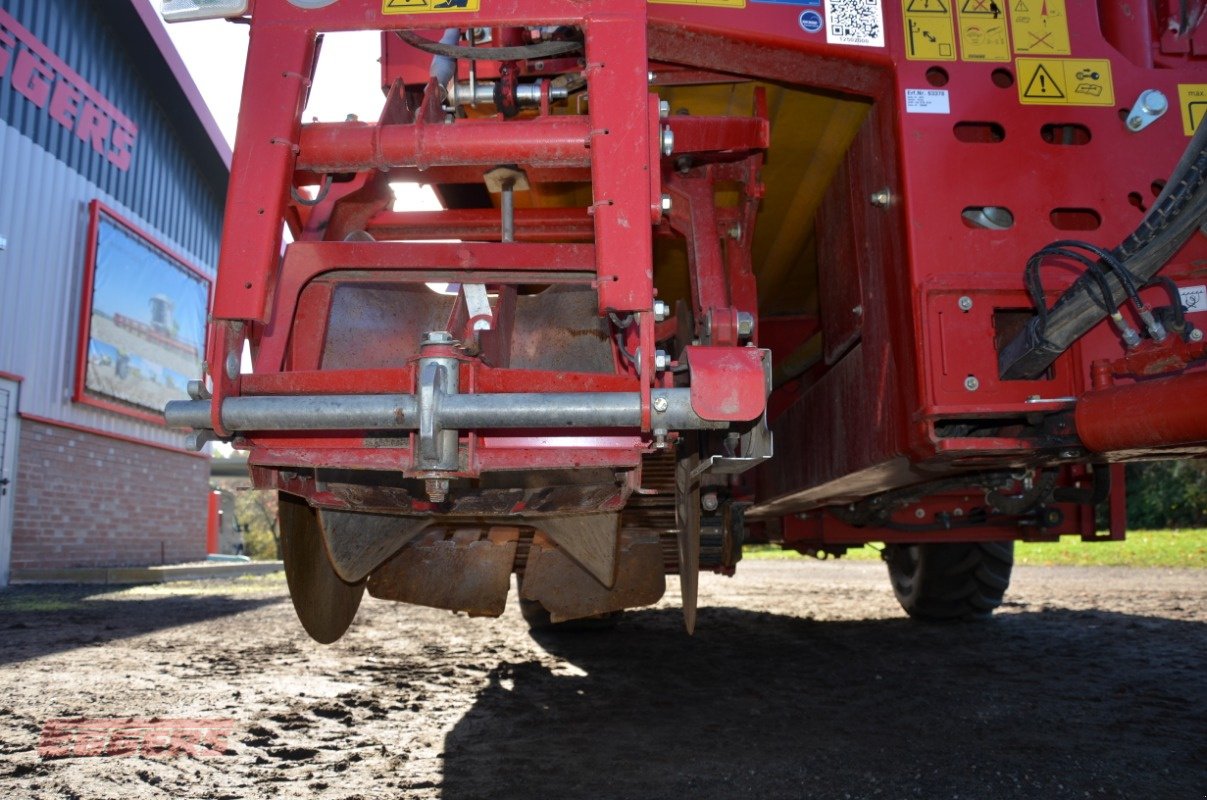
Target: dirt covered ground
<point>803,680</point>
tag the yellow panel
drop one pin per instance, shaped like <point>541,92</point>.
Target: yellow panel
<point>427,6</point>
<point>716,3</point>
<point>810,135</point>
<point>1041,27</point>
<point>1065,82</point>
<point>984,33</point>
<point>1192,99</point>
<point>929,35</point>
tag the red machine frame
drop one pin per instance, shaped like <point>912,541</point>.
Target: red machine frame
<point>912,296</point>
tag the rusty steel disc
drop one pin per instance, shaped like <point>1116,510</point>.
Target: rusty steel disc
<point>324,603</point>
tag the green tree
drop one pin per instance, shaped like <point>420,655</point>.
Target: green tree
<point>256,513</point>
<point>1167,494</point>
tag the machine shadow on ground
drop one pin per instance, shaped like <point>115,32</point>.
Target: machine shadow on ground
<point>41,620</point>
<point>1048,703</point>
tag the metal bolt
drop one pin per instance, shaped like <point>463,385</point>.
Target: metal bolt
<point>661,311</point>
<point>709,502</point>
<point>232,366</point>
<point>659,439</point>
<point>881,198</point>
<point>735,231</point>
<point>198,439</point>
<point>1153,102</point>
<point>661,404</point>
<point>957,512</point>
<point>437,337</point>
<point>664,108</point>
<point>668,140</point>
<point>1135,122</point>
<point>661,361</point>
<point>857,311</point>
<point>1068,454</point>
<point>649,76</point>
<point>198,390</point>
<point>745,323</point>
<point>1196,335</point>
<point>965,303</point>
<point>666,203</point>
<point>437,489</point>
<point>971,383</point>
<point>920,513</point>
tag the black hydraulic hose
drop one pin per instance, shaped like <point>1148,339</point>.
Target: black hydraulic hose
<point>1180,211</point>
<point>1175,299</point>
<point>517,53</point>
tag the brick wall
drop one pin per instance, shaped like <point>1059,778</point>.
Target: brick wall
<point>84,500</point>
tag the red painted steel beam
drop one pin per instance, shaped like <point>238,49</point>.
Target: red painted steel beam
<point>719,134</point>
<point>1157,413</point>
<point>354,146</point>
<point>531,224</point>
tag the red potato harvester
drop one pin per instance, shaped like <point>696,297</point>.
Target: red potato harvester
<point>945,256</point>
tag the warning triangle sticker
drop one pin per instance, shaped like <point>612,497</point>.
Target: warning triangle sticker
<point>1043,86</point>
<point>406,4</point>
<point>926,7</point>
<point>988,8</point>
<point>1021,7</point>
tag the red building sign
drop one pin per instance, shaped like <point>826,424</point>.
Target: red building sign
<point>33,70</point>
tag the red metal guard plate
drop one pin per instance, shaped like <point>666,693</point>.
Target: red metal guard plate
<point>727,382</point>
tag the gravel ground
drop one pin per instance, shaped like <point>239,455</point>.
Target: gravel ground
<point>802,681</point>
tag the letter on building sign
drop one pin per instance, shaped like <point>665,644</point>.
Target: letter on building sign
<point>50,84</point>
<point>65,104</point>
<point>32,78</point>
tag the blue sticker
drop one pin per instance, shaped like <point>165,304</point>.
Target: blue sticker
<point>810,21</point>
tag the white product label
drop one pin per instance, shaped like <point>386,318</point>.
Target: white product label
<point>1194,298</point>
<point>859,22</point>
<point>927,101</point>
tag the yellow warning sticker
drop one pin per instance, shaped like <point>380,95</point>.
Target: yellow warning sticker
<point>984,34</point>
<point>929,34</point>
<point>1192,98</point>
<point>427,6</point>
<point>1065,82</point>
<point>713,3</point>
<point>1041,27</point>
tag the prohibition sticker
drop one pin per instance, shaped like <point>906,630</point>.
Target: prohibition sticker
<point>713,3</point>
<point>929,34</point>
<point>427,6</point>
<point>984,34</point>
<point>1041,27</point>
<point>1192,98</point>
<point>1065,82</point>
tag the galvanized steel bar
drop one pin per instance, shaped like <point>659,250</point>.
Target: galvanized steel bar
<point>547,410</point>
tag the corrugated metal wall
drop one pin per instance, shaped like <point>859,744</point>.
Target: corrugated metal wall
<point>47,178</point>
<point>163,183</point>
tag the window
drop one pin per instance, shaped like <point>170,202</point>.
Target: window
<point>142,324</point>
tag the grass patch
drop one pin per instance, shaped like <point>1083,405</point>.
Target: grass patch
<point>1186,548</point>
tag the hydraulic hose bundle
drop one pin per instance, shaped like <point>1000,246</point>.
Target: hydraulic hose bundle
<point>1114,276</point>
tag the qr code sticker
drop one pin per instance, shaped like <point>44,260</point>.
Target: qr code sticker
<point>858,22</point>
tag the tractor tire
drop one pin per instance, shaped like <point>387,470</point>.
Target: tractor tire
<point>950,581</point>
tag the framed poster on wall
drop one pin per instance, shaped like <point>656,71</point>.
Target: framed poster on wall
<point>142,321</point>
